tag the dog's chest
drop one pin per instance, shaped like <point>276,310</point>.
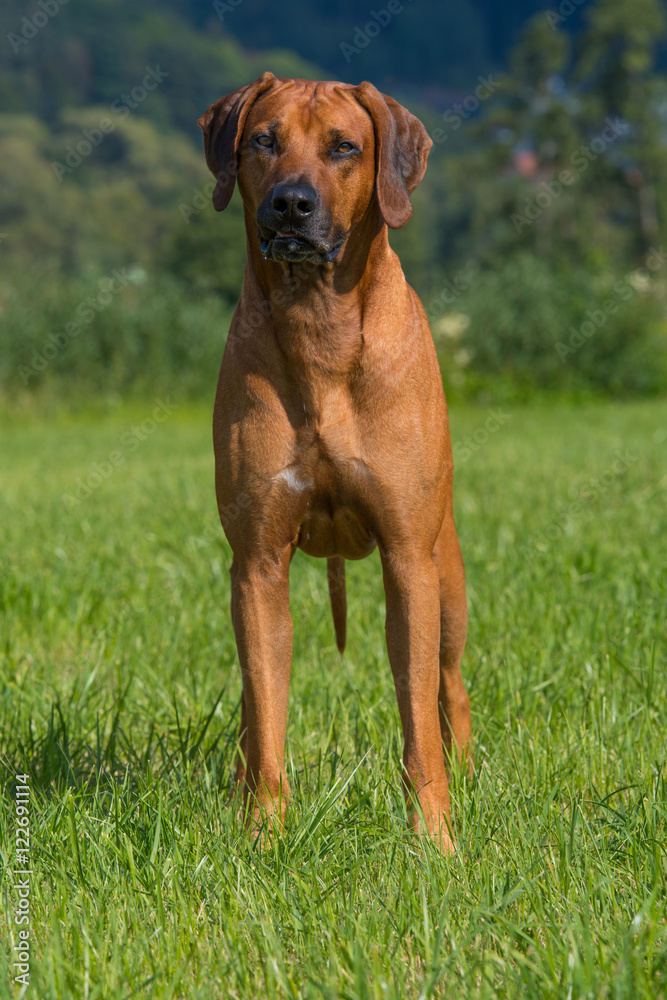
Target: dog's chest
<point>328,480</point>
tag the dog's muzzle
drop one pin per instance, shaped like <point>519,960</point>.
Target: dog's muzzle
<point>293,226</point>
<point>294,248</point>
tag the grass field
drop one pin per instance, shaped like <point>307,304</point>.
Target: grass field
<point>120,701</point>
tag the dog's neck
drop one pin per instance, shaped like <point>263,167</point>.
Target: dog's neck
<point>316,312</point>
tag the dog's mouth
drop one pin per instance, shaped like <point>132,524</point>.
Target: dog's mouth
<point>292,246</point>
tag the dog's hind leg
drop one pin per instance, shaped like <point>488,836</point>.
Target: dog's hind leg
<point>413,628</point>
<point>453,697</point>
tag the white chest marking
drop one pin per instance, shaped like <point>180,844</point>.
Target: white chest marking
<point>292,480</point>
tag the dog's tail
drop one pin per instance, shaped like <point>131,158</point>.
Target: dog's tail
<point>336,578</point>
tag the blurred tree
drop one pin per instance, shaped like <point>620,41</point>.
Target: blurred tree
<point>96,52</point>
<point>498,238</point>
<point>615,69</point>
<point>542,199</point>
<point>90,213</point>
<point>538,113</point>
<point>206,250</point>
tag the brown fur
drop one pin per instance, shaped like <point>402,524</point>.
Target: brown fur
<point>330,427</point>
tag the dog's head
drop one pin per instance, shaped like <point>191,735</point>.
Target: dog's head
<point>310,158</point>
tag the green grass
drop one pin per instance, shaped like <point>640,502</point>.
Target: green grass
<point>120,699</point>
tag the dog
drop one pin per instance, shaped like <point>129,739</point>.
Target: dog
<point>330,425</point>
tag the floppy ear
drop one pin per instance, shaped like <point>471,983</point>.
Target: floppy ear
<point>222,126</point>
<point>401,147</point>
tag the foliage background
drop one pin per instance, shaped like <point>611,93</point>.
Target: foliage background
<point>534,263</point>
<point>119,680</point>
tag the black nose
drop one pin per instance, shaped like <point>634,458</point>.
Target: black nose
<point>292,202</point>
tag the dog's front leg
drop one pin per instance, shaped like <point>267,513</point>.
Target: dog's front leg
<point>413,639</point>
<point>263,629</point>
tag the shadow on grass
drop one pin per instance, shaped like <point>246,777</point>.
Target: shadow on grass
<point>65,757</point>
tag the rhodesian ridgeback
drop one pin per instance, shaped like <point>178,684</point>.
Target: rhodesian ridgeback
<point>330,426</point>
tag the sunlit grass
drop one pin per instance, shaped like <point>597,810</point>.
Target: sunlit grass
<point>120,698</point>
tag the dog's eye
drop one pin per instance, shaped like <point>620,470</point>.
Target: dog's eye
<point>264,140</point>
<point>345,147</point>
